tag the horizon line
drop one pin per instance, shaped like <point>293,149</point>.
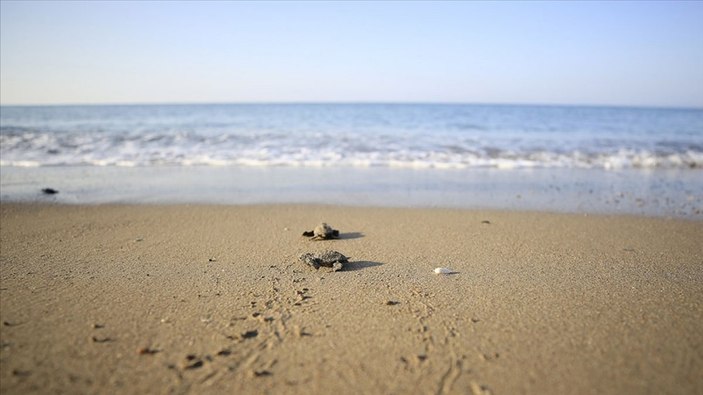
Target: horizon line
<point>352,102</point>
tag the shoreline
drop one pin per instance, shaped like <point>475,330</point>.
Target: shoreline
<point>209,298</point>
<point>487,211</point>
<point>660,193</point>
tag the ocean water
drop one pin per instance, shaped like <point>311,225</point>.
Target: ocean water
<point>355,135</point>
<point>400,154</point>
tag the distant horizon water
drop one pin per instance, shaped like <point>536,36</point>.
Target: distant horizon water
<point>358,102</point>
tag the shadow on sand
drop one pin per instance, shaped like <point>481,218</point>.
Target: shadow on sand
<point>359,265</point>
<point>350,235</point>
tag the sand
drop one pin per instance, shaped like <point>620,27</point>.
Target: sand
<point>212,299</point>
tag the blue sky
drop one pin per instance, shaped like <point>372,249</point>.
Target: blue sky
<point>620,53</point>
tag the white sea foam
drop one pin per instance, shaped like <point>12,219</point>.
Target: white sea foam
<point>407,137</point>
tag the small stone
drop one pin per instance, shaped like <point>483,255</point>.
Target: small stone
<point>21,373</point>
<point>147,351</point>
<point>195,365</point>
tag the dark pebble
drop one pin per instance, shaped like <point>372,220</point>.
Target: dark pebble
<point>147,351</point>
<point>195,365</point>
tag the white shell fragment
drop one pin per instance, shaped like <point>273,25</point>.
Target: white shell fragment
<point>443,270</point>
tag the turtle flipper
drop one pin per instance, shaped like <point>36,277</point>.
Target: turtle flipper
<point>308,233</point>
<point>335,233</point>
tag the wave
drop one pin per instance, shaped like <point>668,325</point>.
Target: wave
<point>393,136</point>
<point>31,149</point>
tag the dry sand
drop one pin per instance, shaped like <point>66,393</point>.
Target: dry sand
<point>212,299</point>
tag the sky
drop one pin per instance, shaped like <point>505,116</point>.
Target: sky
<point>578,53</point>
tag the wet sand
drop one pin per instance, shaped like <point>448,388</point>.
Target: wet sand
<point>213,299</point>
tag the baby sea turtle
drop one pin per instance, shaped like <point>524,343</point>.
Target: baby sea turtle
<point>328,258</point>
<point>322,232</point>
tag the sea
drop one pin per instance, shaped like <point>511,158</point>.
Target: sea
<point>579,159</point>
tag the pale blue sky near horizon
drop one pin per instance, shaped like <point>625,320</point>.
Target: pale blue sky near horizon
<point>577,53</point>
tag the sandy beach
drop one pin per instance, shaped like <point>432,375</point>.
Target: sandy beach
<point>213,299</point>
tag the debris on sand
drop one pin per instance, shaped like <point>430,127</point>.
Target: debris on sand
<point>443,270</point>
<point>147,351</point>
<point>322,232</point>
<point>50,191</point>
<point>329,258</point>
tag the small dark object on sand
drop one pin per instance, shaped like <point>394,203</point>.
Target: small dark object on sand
<point>485,221</point>
<point>50,191</point>
<point>331,259</point>
<point>322,232</point>
<point>194,365</point>
<point>147,351</point>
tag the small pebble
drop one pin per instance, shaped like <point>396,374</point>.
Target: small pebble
<point>195,365</point>
<point>442,270</point>
<point>146,351</point>
<point>20,373</point>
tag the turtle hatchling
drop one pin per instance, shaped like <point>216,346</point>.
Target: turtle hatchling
<point>329,258</point>
<point>322,232</point>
